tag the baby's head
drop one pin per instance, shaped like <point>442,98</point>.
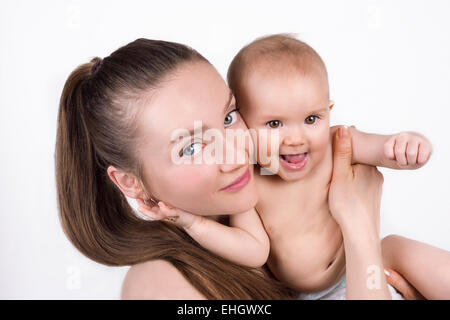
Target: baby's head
<point>281,83</point>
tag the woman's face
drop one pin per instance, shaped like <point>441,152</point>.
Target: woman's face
<point>172,164</point>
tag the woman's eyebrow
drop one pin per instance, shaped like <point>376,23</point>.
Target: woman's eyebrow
<point>230,98</point>
<point>189,133</point>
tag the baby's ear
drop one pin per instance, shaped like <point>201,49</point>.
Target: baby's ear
<point>331,104</point>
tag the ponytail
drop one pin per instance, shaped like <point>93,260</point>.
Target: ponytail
<point>95,214</point>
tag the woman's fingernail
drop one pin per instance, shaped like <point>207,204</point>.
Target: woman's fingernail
<point>343,131</point>
<point>387,273</point>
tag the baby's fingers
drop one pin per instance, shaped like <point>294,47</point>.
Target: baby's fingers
<point>151,212</point>
<point>412,151</point>
<point>145,204</point>
<point>400,151</point>
<point>424,153</point>
<point>168,211</point>
<point>163,206</point>
<point>389,148</point>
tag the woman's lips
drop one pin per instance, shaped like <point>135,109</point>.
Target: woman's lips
<point>294,161</point>
<point>239,183</point>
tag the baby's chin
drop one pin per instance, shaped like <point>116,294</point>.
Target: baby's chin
<point>291,176</point>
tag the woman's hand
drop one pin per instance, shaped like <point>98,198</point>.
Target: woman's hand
<point>401,285</point>
<point>161,211</point>
<point>355,190</point>
<point>354,200</point>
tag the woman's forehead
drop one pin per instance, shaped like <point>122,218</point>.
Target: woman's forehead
<point>194,93</point>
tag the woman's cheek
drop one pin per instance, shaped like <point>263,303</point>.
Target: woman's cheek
<point>192,181</point>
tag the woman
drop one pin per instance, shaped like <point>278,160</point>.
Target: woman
<point>115,123</point>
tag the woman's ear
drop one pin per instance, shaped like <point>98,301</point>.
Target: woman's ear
<point>127,183</point>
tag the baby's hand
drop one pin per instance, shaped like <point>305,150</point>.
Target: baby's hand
<point>409,149</point>
<point>161,211</point>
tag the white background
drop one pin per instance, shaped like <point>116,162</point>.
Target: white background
<point>389,67</point>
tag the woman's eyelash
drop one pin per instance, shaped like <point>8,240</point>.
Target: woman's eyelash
<point>236,109</point>
<point>192,143</point>
<point>229,119</point>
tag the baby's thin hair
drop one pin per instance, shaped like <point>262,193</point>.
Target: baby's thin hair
<point>283,48</point>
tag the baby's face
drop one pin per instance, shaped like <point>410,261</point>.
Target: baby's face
<point>298,106</point>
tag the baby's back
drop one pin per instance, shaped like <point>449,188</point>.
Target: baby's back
<point>307,251</point>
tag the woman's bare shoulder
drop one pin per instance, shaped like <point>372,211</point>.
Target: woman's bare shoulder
<point>157,279</point>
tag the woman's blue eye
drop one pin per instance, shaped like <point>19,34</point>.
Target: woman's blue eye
<point>191,149</point>
<point>231,118</point>
<point>311,119</point>
<point>274,124</point>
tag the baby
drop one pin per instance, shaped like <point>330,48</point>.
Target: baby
<point>281,83</point>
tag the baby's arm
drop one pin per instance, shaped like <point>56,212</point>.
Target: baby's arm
<point>405,150</point>
<point>427,268</point>
<point>244,242</point>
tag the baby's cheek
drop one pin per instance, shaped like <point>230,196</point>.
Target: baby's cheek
<point>321,143</point>
<point>268,143</point>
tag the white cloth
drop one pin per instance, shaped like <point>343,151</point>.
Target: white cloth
<point>337,292</point>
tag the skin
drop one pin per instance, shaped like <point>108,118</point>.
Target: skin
<point>192,188</point>
<point>426,267</point>
<point>280,103</point>
<point>361,252</point>
<point>312,243</point>
<point>176,186</point>
<point>160,280</point>
<point>177,104</point>
<point>157,280</point>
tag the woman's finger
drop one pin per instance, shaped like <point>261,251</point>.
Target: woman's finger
<point>342,153</point>
<point>402,286</point>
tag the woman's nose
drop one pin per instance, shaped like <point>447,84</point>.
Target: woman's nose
<point>236,151</point>
<point>226,168</point>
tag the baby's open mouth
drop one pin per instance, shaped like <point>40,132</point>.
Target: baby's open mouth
<point>294,161</point>
<point>293,158</point>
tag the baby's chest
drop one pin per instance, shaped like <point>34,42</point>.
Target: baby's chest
<point>286,213</point>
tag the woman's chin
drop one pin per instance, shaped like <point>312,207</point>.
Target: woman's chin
<point>242,202</point>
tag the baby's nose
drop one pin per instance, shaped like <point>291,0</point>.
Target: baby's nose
<point>294,137</point>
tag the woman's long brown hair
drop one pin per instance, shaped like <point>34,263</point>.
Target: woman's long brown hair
<point>97,128</point>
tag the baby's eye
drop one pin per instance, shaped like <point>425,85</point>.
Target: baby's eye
<point>311,119</point>
<point>231,118</point>
<point>274,124</point>
<point>190,150</point>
